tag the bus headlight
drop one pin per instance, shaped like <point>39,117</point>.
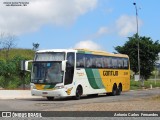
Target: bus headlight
<point>33,87</point>
<point>59,87</point>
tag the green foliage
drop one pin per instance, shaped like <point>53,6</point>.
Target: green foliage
<point>3,82</point>
<point>2,67</point>
<point>10,72</point>
<point>148,54</point>
<point>25,53</point>
<point>135,84</point>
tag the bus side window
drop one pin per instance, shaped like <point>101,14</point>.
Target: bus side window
<point>125,63</point>
<point>80,60</point>
<point>107,62</point>
<point>93,61</point>
<point>120,63</point>
<point>114,62</point>
<point>88,62</point>
<point>104,62</point>
<point>98,62</point>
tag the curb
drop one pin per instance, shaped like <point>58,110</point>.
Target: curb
<point>16,94</point>
<point>146,89</point>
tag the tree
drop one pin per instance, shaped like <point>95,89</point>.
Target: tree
<point>7,71</point>
<point>21,74</point>
<point>11,76</point>
<point>7,42</point>
<point>148,54</point>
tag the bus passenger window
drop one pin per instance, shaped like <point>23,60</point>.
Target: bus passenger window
<point>80,60</point>
<point>125,62</point>
<point>88,61</point>
<point>120,63</point>
<point>98,62</point>
<point>114,62</point>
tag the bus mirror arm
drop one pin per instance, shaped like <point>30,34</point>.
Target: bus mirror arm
<point>64,65</point>
<point>24,65</point>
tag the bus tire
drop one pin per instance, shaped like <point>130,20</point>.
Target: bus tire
<point>114,90</point>
<point>50,98</point>
<point>119,89</point>
<point>78,93</point>
<point>109,94</point>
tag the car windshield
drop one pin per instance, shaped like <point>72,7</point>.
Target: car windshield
<point>47,72</point>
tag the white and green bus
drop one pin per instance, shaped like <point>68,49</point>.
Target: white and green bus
<point>77,72</point>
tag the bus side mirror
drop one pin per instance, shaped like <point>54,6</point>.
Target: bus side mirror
<point>64,65</point>
<point>24,65</point>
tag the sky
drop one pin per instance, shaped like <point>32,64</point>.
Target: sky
<point>67,24</point>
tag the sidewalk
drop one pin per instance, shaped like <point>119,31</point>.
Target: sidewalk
<point>16,94</point>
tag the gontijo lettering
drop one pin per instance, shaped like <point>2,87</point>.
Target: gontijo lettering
<point>110,73</point>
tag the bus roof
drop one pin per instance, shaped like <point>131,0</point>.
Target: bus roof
<point>99,52</point>
<point>86,51</point>
<point>56,50</point>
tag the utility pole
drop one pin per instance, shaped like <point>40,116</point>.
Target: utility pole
<point>137,36</point>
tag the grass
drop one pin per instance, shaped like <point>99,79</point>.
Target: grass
<point>26,53</point>
<point>137,84</point>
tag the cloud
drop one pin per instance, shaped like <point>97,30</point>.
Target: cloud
<point>123,26</point>
<point>127,24</point>
<point>37,13</point>
<point>102,31</point>
<point>88,44</point>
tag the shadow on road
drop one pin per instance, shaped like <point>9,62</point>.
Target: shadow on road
<point>87,97</point>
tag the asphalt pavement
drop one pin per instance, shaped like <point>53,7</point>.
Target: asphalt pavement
<point>18,94</point>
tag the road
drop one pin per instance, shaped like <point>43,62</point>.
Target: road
<point>42,104</point>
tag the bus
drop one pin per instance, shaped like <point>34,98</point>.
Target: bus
<point>77,72</point>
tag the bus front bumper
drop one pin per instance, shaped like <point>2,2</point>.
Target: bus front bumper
<point>49,93</point>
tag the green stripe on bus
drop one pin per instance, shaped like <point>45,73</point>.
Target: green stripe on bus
<point>85,52</point>
<point>49,86</point>
<point>81,52</point>
<point>88,52</point>
<point>98,78</point>
<point>91,78</point>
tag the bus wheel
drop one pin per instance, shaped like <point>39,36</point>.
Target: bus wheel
<point>50,98</point>
<point>114,90</point>
<point>119,89</point>
<point>78,93</point>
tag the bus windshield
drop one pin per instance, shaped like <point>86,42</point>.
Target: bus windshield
<point>47,72</point>
<point>50,56</point>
